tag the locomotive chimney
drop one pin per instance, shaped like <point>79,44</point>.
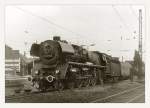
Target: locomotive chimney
<point>56,38</point>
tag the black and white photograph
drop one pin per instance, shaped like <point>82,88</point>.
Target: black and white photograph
<point>75,53</point>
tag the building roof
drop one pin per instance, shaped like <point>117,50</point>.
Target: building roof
<point>10,53</point>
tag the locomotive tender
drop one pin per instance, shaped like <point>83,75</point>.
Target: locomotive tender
<point>67,65</point>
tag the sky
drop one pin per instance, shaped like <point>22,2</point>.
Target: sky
<point>112,28</point>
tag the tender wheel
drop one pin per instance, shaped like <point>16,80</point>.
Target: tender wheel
<point>58,85</point>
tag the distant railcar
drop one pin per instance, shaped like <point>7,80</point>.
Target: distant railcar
<point>125,70</point>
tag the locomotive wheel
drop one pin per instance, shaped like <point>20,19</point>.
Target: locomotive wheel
<point>39,85</point>
<point>58,85</point>
<point>71,85</point>
<point>36,84</point>
<point>102,82</point>
<point>92,81</point>
<point>79,83</point>
<point>115,79</point>
<point>42,86</point>
<point>86,82</point>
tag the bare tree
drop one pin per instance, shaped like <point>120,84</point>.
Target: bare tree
<point>137,64</point>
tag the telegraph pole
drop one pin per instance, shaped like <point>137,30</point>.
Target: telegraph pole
<point>140,33</point>
<point>140,44</point>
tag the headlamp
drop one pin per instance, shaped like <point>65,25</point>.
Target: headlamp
<point>50,78</point>
<point>57,71</point>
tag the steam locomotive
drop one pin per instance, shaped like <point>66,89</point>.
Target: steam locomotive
<point>65,65</point>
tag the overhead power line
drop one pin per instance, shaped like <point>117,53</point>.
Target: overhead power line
<point>50,22</point>
<point>121,19</point>
<point>133,12</point>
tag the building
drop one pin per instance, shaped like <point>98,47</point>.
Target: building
<point>15,63</point>
<point>12,61</point>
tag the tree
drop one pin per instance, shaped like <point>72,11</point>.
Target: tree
<point>137,64</point>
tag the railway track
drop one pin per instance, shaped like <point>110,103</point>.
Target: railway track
<point>98,100</point>
<point>27,95</point>
<point>19,96</point>
<point>135,98</point>
<point>111,97</point>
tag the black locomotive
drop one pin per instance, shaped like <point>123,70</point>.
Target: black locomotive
<point>67,65</point>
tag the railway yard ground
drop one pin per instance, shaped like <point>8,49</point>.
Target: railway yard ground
<point>121,92</point>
